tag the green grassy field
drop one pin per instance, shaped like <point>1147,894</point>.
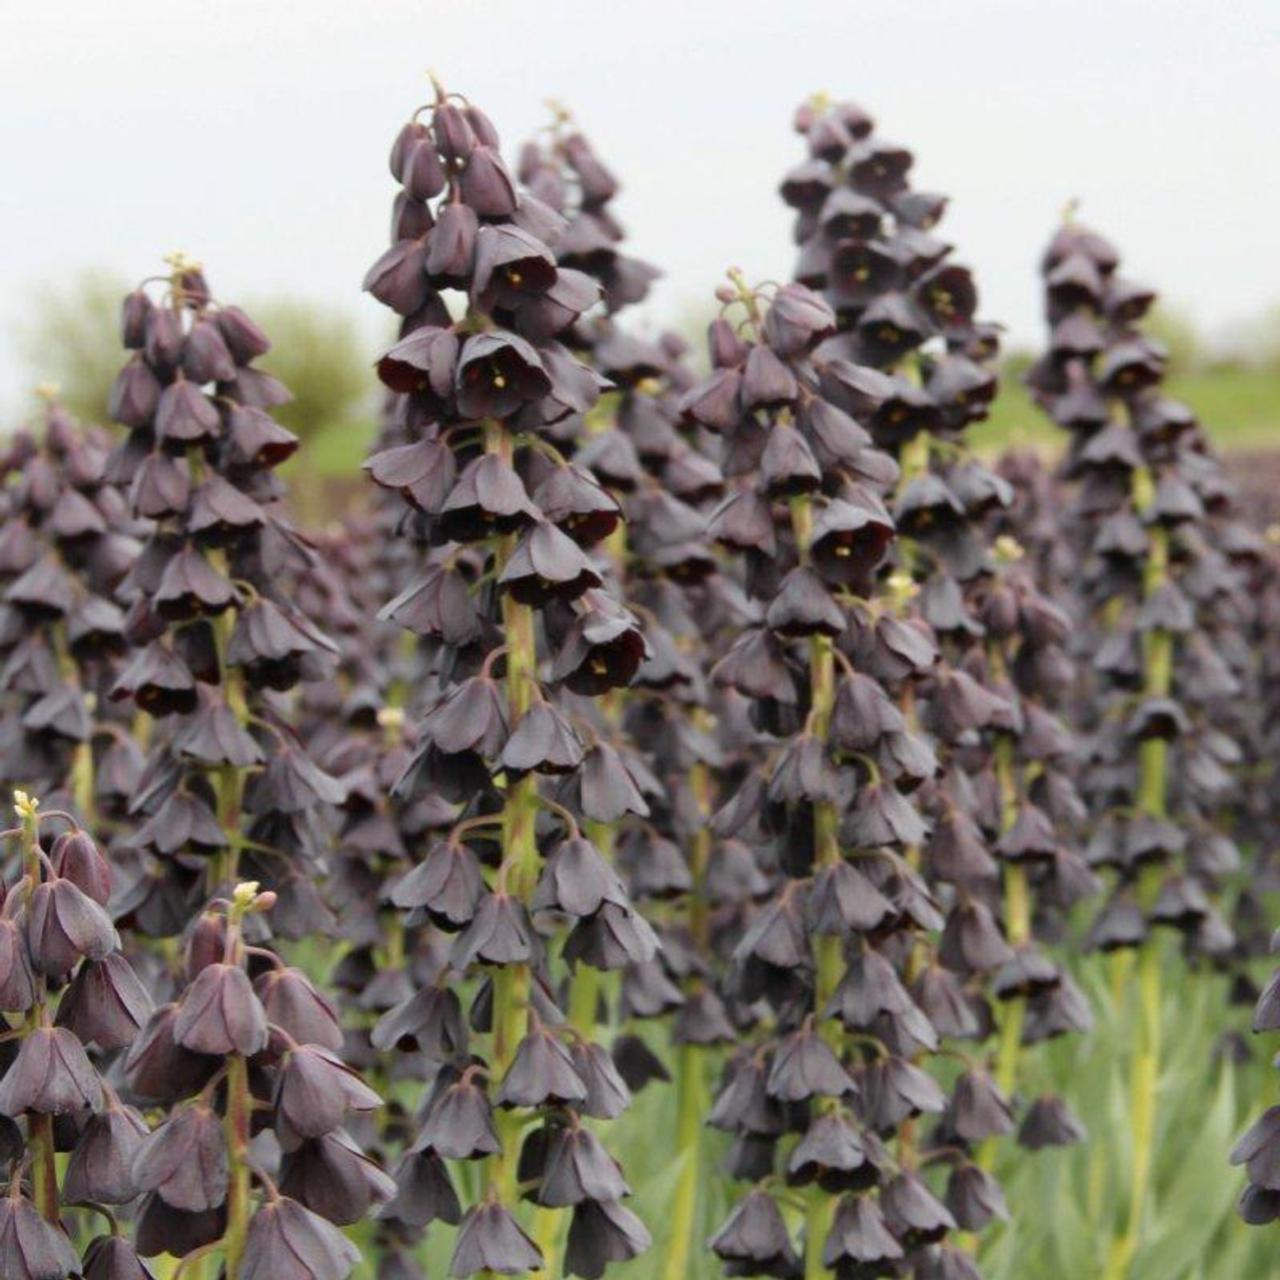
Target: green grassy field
<point>1064,1203</point>
<point>1240,409</point>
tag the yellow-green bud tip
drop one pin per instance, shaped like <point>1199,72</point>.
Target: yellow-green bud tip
<point>178,262</point>
<point>1008,549</point>
<point>901,585</point>
<point>245,892</point>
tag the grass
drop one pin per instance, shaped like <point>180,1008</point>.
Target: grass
<point>1240,408</point>
<point>1064,1203</point>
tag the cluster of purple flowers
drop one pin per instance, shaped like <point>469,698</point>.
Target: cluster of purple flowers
<point>719,725</point>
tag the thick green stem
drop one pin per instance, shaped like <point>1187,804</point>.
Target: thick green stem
<point>82,783</point>
<point>224,870</point>
<point>1120,964</point>
<point>914,458</point>
<point>817,1226</point>
<point>236,1127</point>
<point>829,952</point>
<point>691,1063</point>
<point>1145,1070</point>
<point>584,998</point>
<point>1143,1087</point>
<point>512,984</point>
<point>1017,923</point>
<point>700,850</point>
<point>585,984</point>
<point>1151,800</point>
<point>691,1105</point>
<point>44,1167</point>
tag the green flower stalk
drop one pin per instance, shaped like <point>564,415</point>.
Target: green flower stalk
<point>217,642</point>
<point>833,827</point>
<point>1144,1085</point>
<point>907,315</point>
<point>516,616</point>
<point>1158,601</point>
<point>664,477</point>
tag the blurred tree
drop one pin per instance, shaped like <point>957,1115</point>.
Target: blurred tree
<point>1264,345</point>
<point>318,353</point>
<point>70,337</point>
<point>1176,329</point>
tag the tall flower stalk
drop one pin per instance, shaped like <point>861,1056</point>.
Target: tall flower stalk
<point>829,814</point>
<point>914,364</point>
<point>664,475</point>
<point>229,788</point>
<point>217,644</point>
<point>68,539</point>
<point>1144,486</point>
<point>359,730</point>
<point>517,617</point>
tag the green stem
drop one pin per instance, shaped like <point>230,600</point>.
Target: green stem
<point>700,850</point>
<point>229,786</point>
<point>585,984</point>
<point>1145,1082</point>
<point>229,781</point>
<point>584,998</point>
<point>1151,800</point>
<point>691,1105</point>
<point>914,458</point>
<point>1120,963</point>
<point>817,1226</point>
<point>1008,1054</point>
<point>691,1062</point>
<point>44,1167</point>
<point>236,1127</point>
<point>512,984</point>
<point>547,1229</point>
<point>82,783</point>
<point>829,952</point>
<point>1017,922</point>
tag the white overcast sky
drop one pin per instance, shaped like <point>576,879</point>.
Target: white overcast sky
<point>253,133</point>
